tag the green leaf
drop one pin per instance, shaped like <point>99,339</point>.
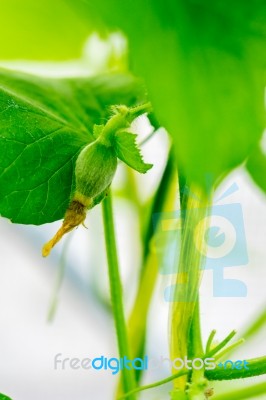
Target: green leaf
<point>203,62</point>
<point>127,151</point>
<point>256,166</point>
<point>44,124</point>
<point>4,397</point>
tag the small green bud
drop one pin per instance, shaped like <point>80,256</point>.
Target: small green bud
<point>94,172</point>
<point>95,169</point>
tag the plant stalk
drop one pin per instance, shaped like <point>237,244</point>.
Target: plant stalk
<point>155,384</point>
<point>185,326</point>
<point>255,367</point>
<point>128,377</point>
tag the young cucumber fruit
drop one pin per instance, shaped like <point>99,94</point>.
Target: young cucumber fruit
<point>94,172</point>
<point>95,168</point>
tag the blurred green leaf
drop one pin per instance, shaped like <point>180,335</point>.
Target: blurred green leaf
<point>256,166</point>
<point>203,62</point>
<point>44,124</point>
<point>4,397</point>
<point>255,325</point>
<point>41,30</point>
<point>244,393</point>
<point>127,151</point>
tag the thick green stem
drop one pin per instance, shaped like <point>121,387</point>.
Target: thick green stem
<point>140,109</point>
<point>185,295</point>
<point>195,334</point>
<point>197,382</point>
<point>164,202</point>
<point>255,367</point>
<point>121,119</point>
<point>116,292</point>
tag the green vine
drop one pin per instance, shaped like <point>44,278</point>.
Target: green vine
<point>116,292</point>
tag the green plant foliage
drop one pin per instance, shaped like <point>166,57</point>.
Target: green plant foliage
<point>127,151</point>
<point>44,124</point>
<point>203,62</point>
<point>4,397</point>
<point>42,30</point>
<point>256,166</point>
